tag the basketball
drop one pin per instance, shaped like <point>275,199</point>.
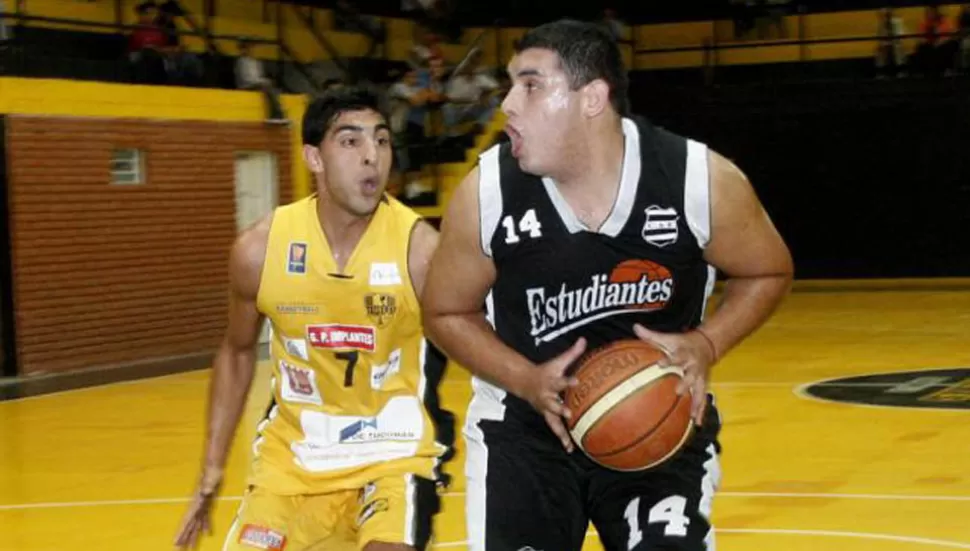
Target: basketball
<point>626,414</point>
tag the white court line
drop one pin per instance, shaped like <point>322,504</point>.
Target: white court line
<point>171,500</point>
<point>106,503</point>
<point>789,532</point>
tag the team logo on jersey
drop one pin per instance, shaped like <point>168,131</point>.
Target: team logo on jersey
<point>296,258</point>
<point>296,348</point>
<point>384,273</point>
<point>380,307</point>
<point>376,430</point>
<point>261,537</point>
<point>299,384</point>
<point>632,286</point>
<point>380,373</point>
<point>660,226</point>
<point>928,389</point>
<point>336,336</point>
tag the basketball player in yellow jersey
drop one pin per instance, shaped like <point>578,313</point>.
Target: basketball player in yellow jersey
<point>348,455</point>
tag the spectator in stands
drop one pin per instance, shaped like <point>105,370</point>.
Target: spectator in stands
<point>423,90</point>
<point>963,61</point>
<point>5,34</point>
<point>773,16</point>
<point>937,52</point>
<point>471,94</point>
<point>145,44</point>
<point>889,50</point>
<point>348,18</point>
<point>402,96</point>
<point>426,46</point>
<point>183,67</point>
<point>250,76</point>
<point>744,12</point>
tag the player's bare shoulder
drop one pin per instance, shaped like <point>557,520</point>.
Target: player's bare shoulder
<point>248,255</point>
<point>423,243</point>
<point>723,171</point>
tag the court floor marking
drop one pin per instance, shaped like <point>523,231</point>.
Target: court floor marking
<point>792,495</point>
<point>801,391</point>
<point>793,532</point>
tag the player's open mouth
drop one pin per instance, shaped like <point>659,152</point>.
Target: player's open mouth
<point>369,185</point>
<point>515,138</point>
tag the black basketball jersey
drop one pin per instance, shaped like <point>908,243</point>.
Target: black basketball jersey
<point>558,280</point>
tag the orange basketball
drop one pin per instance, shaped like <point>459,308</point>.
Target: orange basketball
<point>626,414</point>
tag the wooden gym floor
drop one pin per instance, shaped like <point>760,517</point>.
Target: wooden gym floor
<point>108,467</point>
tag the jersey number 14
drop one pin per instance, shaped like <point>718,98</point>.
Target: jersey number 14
<point>528,224</point>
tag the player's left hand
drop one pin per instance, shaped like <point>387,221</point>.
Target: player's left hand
<point>693,352</point>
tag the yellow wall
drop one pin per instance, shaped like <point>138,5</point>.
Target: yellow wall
<point>93,99</point>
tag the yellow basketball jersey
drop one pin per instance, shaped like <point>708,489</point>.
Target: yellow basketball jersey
<point>354,381</point>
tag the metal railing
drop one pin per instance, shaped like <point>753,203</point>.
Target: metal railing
<point>210,39</point>
<point>710,48</point>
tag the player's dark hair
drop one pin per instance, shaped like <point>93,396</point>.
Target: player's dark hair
<point>587,52</point>
<point>324,110</point>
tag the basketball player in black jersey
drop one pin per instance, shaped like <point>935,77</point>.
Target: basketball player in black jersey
<point>589,227</point>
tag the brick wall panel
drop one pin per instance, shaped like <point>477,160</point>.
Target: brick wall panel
<point>109,275</point>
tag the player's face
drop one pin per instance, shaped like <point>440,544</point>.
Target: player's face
<point>354,160</point>
<point>543,113</point>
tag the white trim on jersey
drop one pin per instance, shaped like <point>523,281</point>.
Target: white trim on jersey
<point>490,308</point>
<point>410,508</point>
<point>423,362</point>
<point>710,482</point>
<point>625,197</point>
<point>629,180</point>
<point>486,404</point>
<point>697,193</point>
<point>489,196</point>
<point>708,289</point>
<point>476,472</point>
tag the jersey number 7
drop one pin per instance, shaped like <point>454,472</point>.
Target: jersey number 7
<point>351,359</point>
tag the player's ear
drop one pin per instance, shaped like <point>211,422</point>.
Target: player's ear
<point>311,155</point>
<point>596,97</point>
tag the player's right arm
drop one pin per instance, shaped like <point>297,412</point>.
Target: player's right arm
<point>458,280</point>
<point>232,373</point>
<point>235,362</point>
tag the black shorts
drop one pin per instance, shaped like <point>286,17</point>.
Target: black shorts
<point>526,492</point>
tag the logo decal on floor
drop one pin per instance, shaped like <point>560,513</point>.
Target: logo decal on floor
<point>928,388</point>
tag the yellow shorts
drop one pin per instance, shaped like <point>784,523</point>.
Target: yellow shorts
<point>395,509</point>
